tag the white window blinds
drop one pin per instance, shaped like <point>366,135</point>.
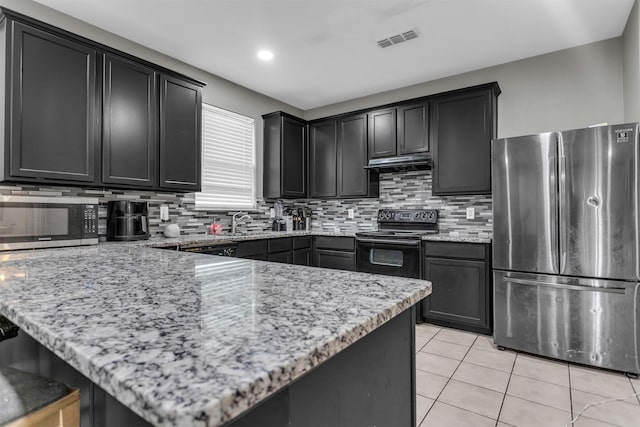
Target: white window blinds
<point>228,161</point>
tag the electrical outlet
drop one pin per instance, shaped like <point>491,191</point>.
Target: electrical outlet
<point>471,213</point>
<point>164,213</point>
<point>350,214</point>
<point>272,213</point>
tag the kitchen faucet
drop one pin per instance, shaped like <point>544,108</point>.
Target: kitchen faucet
<point>235,220</point>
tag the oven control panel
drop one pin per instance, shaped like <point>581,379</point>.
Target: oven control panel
<point>411,216</point>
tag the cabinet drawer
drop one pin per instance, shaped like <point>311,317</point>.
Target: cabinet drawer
<point>338,260</point>
<point>251,248</point>
<point>456,250</point>
<point>281,244</point>
<point>282,257</point>
<point>336,243</point>
<point>301,242</point>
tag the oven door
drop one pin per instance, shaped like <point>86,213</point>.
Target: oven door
<point>388,256</point>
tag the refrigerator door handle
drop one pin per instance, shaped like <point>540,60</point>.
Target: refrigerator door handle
<point>613,290</point>
<point>553,207</point>
<point>563,229</point>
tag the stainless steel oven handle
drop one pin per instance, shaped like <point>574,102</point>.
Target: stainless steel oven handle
<point>583,288</point>
<point>389,241</point>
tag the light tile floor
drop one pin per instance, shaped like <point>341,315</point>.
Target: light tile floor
<point>462,379</point>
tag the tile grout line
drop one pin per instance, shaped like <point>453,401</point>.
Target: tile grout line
<point>570,394</point>
<point>504,396</point>
<point>449,380</point>
<point>434,400</point>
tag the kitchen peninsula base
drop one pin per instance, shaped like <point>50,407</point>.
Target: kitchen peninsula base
<point>371,382</point>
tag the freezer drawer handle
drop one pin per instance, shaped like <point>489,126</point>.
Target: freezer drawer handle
<point>563,286</point>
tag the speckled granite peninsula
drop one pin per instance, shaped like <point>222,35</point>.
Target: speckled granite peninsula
<point>185,339</point>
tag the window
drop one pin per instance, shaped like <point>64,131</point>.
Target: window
<point>228,161</point>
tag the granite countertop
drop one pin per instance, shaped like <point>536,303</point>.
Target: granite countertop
<point>446,237</point>
<point>203,238</point>
<point>185,339</point>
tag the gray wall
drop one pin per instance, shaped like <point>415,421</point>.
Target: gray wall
<point>567,89</point>
<point>631,52</point>
<point>219,92</point>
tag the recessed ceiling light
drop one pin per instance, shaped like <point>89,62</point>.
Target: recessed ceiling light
<point>265,55</point>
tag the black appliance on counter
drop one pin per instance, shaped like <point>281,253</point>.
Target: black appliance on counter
<point>396,248</point>
<point>127,221</point>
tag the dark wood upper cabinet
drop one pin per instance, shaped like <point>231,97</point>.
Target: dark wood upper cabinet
<point>399,130</point>
<point>82,113</point>
<point>353,178</point>
<point>285,156</point>
<point>294,158</point>
<point>382,133</point>
<point>463,123</point>
<point>323,159</point>
<point>52,96</point>
<point>129,124</point>
<point>413,128</point>
<point>338,155</point>
<point>456,127</point>
<point>180,134</point>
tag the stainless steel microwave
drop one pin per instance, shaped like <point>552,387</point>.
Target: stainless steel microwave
<point>44,222</point>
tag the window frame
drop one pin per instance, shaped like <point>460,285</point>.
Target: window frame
<point>202,205</point>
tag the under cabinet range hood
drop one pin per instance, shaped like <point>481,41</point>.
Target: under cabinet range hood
<point>412,162</point>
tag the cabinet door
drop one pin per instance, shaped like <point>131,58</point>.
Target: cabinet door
<point>413,128</point>
<point>462,128</point>
<point>323,159</point>
<point>382,133</point>
<point>129,124</point>
<point>294,158</point>
<point>252,249</point>
<point>283,257</point>
<point>335,259</point>
<point>460,295</point>
<point>302,256</point>
<point>353,179</point>
<point>180,138</point>
<point>53,96</point>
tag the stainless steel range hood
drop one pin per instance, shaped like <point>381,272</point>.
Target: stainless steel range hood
<point>412,162</point>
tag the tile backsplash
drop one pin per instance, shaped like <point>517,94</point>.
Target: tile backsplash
<point>405,190</point>
<point>411,190</point>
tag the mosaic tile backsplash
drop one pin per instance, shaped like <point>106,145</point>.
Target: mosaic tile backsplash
<point>411,190</point>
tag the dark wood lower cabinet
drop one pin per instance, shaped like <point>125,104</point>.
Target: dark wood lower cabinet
<point>334,252</point>
<point>461,296</point>
<point>382,362</point>
<point>338,260</point>
<point>252,249</point>
<point>302,256</point>
<point>283,257</point>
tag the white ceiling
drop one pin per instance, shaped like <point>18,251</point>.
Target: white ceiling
<point>326,51</point>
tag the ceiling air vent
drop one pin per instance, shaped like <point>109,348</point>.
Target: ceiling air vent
<point>398,38</point>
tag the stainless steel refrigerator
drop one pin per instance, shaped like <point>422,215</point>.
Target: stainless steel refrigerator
<point>566,245</point>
